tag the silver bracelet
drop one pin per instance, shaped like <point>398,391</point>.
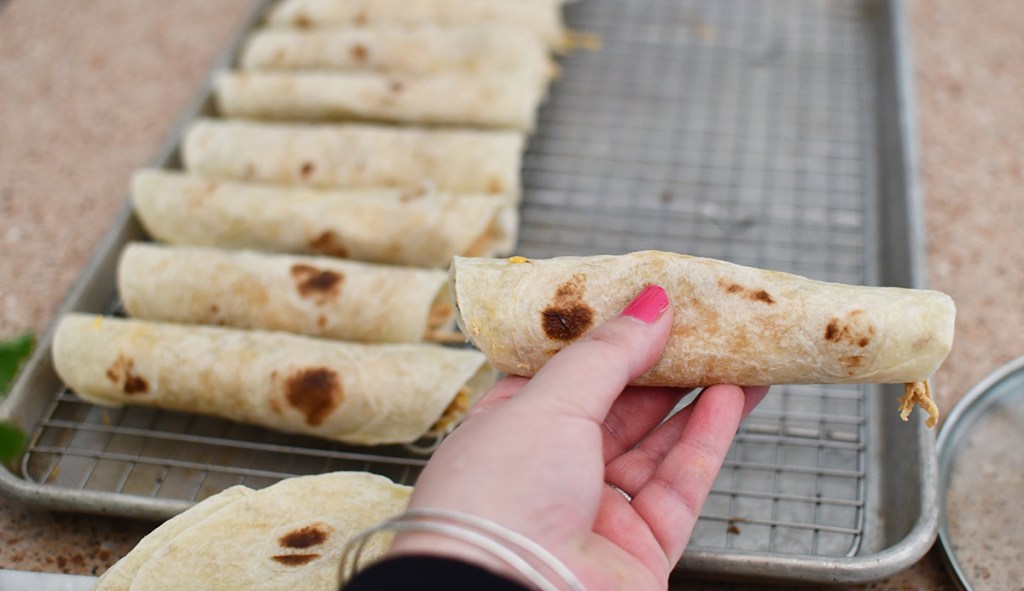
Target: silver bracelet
<point>509,546</point>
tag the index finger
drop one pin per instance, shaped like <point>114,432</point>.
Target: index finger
<point>585,378</point>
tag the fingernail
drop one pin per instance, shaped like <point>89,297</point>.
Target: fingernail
<point>649,305</point>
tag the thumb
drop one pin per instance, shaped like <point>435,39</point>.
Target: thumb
<point>586,377</point>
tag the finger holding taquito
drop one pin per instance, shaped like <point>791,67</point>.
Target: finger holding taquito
<point>317,296</point>
<point>417,228</point>
<point>416,50</point>
<point>732,324</point>
<point>503,100</point>
<point>541,17</point>
<point>356,156</point>
<point>357,393</point>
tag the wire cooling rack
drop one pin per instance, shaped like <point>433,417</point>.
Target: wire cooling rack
<point>734,129</point>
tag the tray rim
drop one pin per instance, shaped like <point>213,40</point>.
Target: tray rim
<point>716,563</point>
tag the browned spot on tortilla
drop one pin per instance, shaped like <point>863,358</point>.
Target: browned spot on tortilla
<point>567,324</point>
<point>851,360</point>
<point>755,295</point>
<point>396,86</point>
<point>495,186</point>
<point>321,321</point>
<point>275,405</point>
<point>302,21</point>
<point>134,384</point>
<point>295,559</point>
<point>304,537</point>
<point>307,169</point>
<point>328,243</point>
<point>568,317</point>
<point>360,19</point>
<point>214,309</point>
<point>120,372</point>
<point>851,331</point>
<point>315,392</point>
<point>317,284</point>
<point>248,171</point>
<point>359,52</point>
<point>552,352</point>
<point>832,330</point>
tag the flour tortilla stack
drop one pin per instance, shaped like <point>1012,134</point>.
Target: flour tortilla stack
<point>385,225</point>
<point>506,100</point>
<point>732,324</point>
<point>356,156</point>
<point>356,393</point>
<point>318,296</point>
<point>119,576</point>
<point>417,50</point>
<point>286,536</point>
<point>541,17</point>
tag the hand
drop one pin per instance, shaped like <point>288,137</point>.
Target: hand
<point>537,456</point>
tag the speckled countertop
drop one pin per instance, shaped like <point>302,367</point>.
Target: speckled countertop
<point>88,92</point>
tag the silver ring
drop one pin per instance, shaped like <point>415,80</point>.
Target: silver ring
<point>626,495</point>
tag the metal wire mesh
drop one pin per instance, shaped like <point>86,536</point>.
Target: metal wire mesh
<point>735,129</point>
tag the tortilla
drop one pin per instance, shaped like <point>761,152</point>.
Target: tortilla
<point>119,576</point>
<point>357,393</point>
<point>417,50</point>
<point>491,100</point>
<point>286,536</point>
<point>406,227</point>
<point>317,296</point>
<point>356,156</point>
<point>732,324</point>
<point>541,17</point>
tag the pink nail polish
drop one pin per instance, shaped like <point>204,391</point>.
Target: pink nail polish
<point>649,305</point>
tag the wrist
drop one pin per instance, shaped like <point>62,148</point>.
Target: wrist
<point>432,544</point>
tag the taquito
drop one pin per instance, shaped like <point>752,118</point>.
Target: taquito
<point>289,535</point>
<point>317,296</point>
<point>356,156</point>
<point>541,17</point>
<point>357,393</point>
<point>506,100</point>
<point>119,576</point>
<point>399,226</point>
<point>413,50</point>
<point>733,324</point>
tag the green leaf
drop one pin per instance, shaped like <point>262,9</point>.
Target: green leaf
<point>12,442</point>
<point>12,354</point>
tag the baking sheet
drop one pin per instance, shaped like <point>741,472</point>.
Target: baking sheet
<point>770,133</point>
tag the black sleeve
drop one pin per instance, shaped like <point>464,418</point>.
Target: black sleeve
<point>429,573</point>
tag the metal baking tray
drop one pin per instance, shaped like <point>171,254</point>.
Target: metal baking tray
<point>772,133</point>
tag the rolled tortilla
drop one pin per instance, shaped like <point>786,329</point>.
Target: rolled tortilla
<point>119,576</point>
<point>385,225</point>
<point>356,156</point>
<point>541,17</point>
<point>506,100</point>
<point>732,324</point>
<point>417,50</point>
<point>317,296</point>
<point>289,535</point>
<point>356,393</point>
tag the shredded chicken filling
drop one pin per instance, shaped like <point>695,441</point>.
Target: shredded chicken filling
<point>452,415</point>
<point>919,394</point>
